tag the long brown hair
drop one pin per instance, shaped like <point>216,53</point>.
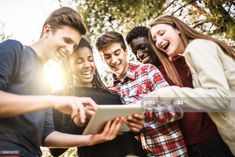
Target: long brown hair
<point>186,34</point>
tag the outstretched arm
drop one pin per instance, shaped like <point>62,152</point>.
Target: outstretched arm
<point>12,105</point>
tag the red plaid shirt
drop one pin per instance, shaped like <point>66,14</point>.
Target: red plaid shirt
<point>161,135</point>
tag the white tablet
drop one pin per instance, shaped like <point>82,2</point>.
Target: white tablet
<point>110,112</point>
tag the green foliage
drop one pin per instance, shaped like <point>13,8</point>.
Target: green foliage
<point>210,16</point>
<point>121,15</point>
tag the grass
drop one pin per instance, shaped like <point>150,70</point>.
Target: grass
<point>71,152</point>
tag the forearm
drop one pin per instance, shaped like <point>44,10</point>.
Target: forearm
<point>62,140</point>
<point>12,104</point>
<point>198,98</point>
<point>165,114</point>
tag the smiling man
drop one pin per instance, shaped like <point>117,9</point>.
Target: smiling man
<point>25,119</point>
<point>131,82</point>
<point>137,39</point>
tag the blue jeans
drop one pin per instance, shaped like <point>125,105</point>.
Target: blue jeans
<point>214,147</point>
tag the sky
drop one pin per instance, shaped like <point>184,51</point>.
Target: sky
<point>23,19</point>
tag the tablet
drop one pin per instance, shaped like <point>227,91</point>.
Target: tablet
<point>110,112</point>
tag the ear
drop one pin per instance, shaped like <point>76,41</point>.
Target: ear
<point>46,30</point>
<point>177,31</point>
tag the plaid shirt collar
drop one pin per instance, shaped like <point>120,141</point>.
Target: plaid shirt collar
<point>131,74</point>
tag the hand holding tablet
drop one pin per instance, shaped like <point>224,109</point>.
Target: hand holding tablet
<point>110,112</point>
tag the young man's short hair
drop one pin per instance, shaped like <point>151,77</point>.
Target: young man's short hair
<point>136,32</point>
<point>108,38</point>
<point>66,16</point>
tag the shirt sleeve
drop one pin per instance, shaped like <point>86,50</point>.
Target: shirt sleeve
<point>48,125</point>
<point>162,113</point>
<point>156,78</point>
<point>10,51</point>
<point>211,90</point>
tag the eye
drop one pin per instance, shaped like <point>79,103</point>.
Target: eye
<point>78,61</point>
<point>90,59</point>
<point>161,33</point>
<point>116,53</point>
<point>106,56</point>
<point>142,46</point>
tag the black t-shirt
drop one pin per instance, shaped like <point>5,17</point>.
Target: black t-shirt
<point>121,146</point>
<point>21,73</point>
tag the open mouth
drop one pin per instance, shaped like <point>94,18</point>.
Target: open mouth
<point>87,74</point>
<point>116,68</point>
<point>165,46</point>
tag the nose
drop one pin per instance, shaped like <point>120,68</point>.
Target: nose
<point>114,60</point>
<point>86,64</point>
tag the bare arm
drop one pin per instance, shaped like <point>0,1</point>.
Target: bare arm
<point>63,140</point>
<point>12,105</point>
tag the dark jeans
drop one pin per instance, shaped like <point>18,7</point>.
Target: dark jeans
<point>214,147</point>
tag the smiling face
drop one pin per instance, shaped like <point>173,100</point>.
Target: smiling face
<point>167,39</point>
<point>116,58</point>
<point>61,41</point>
<point>82,66</point>
<point>142,48</point>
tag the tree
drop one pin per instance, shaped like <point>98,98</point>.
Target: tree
<point>122,15</point>
<point>214,17</point>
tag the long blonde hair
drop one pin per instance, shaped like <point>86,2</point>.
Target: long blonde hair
<point>186,34</point>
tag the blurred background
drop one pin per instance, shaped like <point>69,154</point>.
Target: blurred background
<point>22,20</point>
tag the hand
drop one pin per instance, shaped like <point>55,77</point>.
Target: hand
<point>74,106</point>
<point>90,110</point>
<point>110,131</point>
<point>135,122</point>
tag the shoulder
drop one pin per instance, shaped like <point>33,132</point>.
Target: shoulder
<point>11,43</point>
<point>146,67</point>
<point>201,47</point>
<point>200,44</point>
<point>10,46</point>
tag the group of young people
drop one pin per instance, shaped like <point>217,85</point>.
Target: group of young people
<point>179,63</point>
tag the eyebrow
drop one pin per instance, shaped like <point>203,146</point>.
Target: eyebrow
<point>69,40</point>
<point>112,51</point>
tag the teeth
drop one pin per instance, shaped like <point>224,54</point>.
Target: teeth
<point>164,46</point>
<point>86,73</point>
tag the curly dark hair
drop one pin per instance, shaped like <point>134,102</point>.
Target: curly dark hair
<point>96,82</point>
<point>136,32</point>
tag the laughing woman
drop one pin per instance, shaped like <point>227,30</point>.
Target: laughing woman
<point>86,82</point>
<point>211,63</point>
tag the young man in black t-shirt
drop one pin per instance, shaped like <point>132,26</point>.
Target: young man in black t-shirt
<point>26,119</point>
